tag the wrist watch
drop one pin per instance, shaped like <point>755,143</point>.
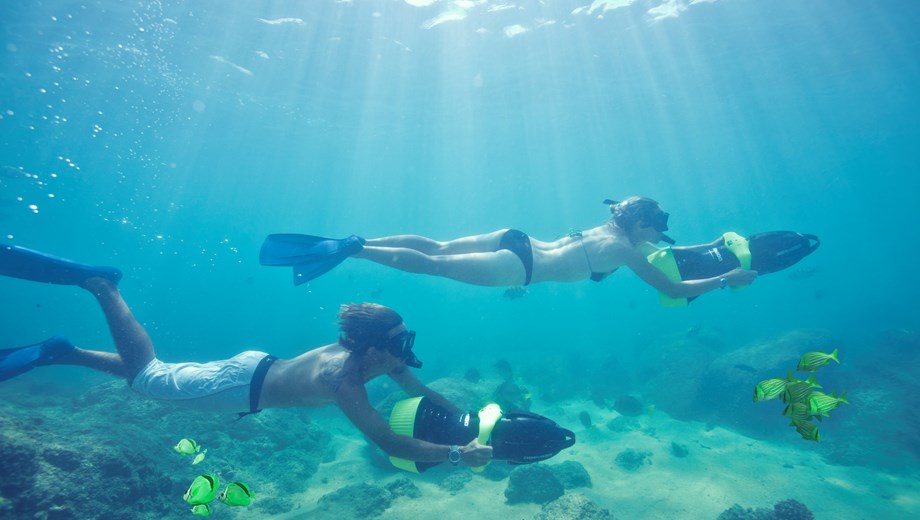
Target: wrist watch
<point>454,455</point>
<point>723,282</point>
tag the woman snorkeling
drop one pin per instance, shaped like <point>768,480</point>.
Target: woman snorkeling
<point>509,257</point>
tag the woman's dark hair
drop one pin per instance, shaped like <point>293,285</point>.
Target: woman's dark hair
<point>365,324</point>
<point>634,210</point>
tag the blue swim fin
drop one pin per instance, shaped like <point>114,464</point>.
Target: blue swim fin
<point>15,361</point>
<point>310,256</point>
<point>28,264</point>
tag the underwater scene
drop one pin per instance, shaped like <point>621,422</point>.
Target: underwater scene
<point>198,198</point>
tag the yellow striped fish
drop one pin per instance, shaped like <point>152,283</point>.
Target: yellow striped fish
<point>769,389</point>
<point>820,403</point>
<point>814,360</point>
<point>796,392</point>
<point>797,389</point>
<point>812,380</point>
<point>807,429</point>
<point>796,412</point>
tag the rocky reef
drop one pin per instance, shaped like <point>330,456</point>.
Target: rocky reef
<point>632,460</point>
<point>785,510</point>
<point>543,483</point>
<point>571,474</point>
<point>107,453</point>
<point>878,430</point>
<point>573,506</point>
<point>533,483</point>
<point>364,500</point>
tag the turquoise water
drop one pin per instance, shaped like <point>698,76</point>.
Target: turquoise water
<point>168,138</point>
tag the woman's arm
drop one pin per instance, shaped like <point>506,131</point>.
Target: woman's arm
<point>352,399</point>
<point>701,247</point>
<point>639,264</point>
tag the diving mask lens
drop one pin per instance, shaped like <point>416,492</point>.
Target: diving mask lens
<point>401,347</point>
<point>661,222</point>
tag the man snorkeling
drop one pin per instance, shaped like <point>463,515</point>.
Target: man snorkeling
<point>374,341</point>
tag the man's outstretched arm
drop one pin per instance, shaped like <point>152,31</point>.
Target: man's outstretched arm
<point>415,388</point>
<point>352,399</point>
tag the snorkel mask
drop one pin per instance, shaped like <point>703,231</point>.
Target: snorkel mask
<point>400,346</point>
<point>642,209</point>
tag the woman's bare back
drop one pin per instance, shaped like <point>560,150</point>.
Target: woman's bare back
<point>575,257</point>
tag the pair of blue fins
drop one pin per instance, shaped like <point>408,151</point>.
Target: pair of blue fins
<point>309,255</point>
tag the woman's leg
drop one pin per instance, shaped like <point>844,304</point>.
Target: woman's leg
<point>485,243</point>
<point>135,350</point>
<point>494,269</point>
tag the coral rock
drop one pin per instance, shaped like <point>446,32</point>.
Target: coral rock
<point>533,483</point>
<point>631,459</point>
<point>573,506</point>
<point>571,474</point>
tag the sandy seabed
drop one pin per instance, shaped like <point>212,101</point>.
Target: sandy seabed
<point>721,468</point>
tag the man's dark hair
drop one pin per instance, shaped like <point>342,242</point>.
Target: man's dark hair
<point>365,324</point>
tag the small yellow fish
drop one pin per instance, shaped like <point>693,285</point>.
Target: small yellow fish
<point>812,380</point>
<point>769,389</point>
<point>808,430</point>
<point>814,360</point>
<point>187,447</point>
<point>796,392</point>
<point>236,494</point>
<point>796,412</point>
<point>202,490</point>
<point>199,457</point>
<point>820,403</point>
<point>201,510</point>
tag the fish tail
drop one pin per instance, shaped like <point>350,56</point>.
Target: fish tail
<point>843,398</point>
<point>834,356</point>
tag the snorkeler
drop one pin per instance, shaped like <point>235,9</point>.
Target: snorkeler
<point>511,258</point>
<point>373,342</point>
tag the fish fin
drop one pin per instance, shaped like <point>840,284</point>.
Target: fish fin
<point>833,356</point>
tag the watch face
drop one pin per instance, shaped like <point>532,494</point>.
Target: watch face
<point>454,455</point>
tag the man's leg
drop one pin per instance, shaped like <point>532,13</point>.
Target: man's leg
<point>135,350</point>
<point>97,360</point>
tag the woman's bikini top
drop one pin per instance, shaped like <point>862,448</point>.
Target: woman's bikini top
<point>595,275</point>
<point>598,277</point>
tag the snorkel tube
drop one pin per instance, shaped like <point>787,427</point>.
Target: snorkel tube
<point>518,437</point>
